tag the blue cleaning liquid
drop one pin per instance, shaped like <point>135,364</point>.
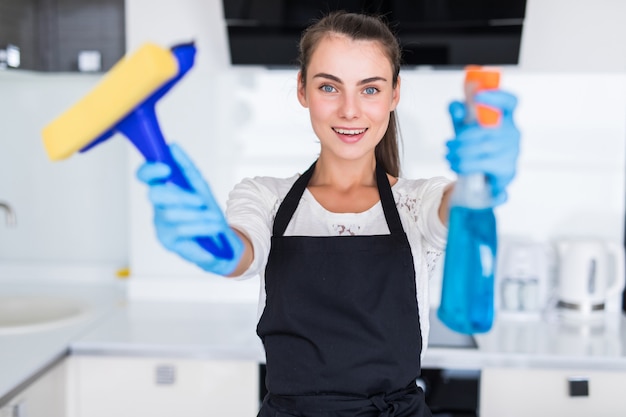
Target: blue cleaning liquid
<point>467,295</point>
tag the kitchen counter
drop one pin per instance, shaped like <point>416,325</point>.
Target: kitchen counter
<point>227,331</point>
<point>541,342</point>
<point>181,329</point>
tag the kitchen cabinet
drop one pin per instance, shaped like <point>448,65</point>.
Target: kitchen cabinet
<point>53,35</point>
<point>105,386</point>
<point>522,392</point>
<point>44,397</point>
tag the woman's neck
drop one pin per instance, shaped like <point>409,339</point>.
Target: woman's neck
<point>346,187</point>
<point>344,174</point>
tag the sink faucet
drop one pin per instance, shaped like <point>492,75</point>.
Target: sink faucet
<point>10,218</point>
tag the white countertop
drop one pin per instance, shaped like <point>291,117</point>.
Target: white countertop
<point>183,329</point>
<point>541,342</point>
<point>228,331</point>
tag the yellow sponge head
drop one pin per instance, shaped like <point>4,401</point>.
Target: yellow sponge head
<point>128,84</point>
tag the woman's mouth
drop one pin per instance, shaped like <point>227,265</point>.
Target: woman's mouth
<point>349,135</point>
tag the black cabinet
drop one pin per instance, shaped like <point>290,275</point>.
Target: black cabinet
<point>451,393</point>
<point>51,33</point>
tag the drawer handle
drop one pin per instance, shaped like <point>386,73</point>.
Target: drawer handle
<point>165,375</point>
<point>578,386</point>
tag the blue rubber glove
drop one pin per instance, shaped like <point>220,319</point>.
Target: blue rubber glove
<point>492,151</point>
<point>180,216</point>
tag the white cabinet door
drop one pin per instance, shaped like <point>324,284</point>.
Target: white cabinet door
<point>511,392</point>
<point>103,386</point>
<point>45,397</point>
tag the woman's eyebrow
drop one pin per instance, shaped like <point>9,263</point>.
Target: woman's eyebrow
<point>338,80</point>
<point>371,80</point>
<point>328,76</point>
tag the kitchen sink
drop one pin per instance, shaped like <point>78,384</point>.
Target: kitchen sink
<point>27,313</point>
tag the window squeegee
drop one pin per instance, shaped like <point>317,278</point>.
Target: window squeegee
<point>124,101</point>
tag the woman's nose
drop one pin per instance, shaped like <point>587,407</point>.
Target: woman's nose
<point>349,108</point>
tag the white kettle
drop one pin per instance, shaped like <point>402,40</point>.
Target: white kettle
<point>591,271</point>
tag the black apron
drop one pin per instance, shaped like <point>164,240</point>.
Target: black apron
<point>341,325</point>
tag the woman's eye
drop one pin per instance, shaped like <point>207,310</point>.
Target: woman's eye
<point>370,90</point>
<point>327,88</point>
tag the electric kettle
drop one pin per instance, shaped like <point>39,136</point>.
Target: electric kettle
<point>591,271</point>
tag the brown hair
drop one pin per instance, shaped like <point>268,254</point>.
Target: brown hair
<point>360,27</point>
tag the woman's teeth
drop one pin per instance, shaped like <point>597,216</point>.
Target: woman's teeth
<point>349,131</point>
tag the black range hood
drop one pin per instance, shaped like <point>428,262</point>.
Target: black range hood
<point>438,33</point>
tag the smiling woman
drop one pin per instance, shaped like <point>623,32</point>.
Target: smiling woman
<point>345,250</point>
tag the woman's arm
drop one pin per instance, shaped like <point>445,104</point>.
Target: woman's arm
<point>444,206</point>
<point>247,255</point>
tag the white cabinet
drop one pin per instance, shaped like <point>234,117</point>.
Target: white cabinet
<point>45,397</point>
<point>105,386</point>
<point>523,392</point>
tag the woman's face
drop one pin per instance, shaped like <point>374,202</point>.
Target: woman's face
<point>349,94</point>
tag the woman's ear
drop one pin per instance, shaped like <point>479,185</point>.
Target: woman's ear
<point>302,91</point>
<point>395,97</point>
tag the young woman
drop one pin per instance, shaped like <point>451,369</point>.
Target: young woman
<point>344,250</point>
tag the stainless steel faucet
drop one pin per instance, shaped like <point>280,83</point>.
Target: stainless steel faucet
<point>10,217</point>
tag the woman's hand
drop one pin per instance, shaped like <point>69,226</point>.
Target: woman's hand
<point>492,151</point>
<point>182,216</point>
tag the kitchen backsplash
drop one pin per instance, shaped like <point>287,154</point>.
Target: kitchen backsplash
<point>73,211</point>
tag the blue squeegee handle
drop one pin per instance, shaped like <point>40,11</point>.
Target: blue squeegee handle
<point>141,126</point>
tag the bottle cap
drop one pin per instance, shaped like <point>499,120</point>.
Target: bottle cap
<point>479,78</point>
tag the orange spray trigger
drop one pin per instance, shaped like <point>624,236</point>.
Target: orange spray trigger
<point>478,78</point>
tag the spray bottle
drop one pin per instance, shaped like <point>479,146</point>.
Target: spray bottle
<point>467,297</point>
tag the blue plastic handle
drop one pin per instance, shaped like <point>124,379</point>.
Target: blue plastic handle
<point>141,127</point>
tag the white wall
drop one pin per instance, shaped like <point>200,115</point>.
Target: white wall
<point>72,211</point>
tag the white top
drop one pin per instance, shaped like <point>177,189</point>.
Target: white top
<point>253,203</point>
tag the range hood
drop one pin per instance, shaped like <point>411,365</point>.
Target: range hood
<point>437,33</point>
